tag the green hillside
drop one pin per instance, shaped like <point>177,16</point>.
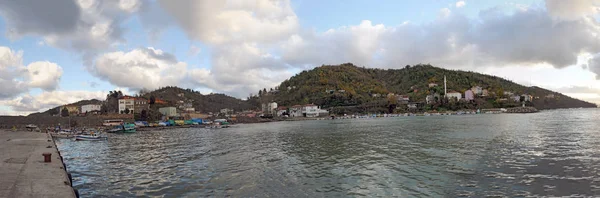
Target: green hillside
<point>352,86</point>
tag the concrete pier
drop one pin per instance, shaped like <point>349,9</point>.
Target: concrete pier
<point>23,172</point>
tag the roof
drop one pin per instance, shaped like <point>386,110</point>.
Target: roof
<point>310,105</point>
<point>453,92</point>
<point>281,108</point>
<point>296,106</point>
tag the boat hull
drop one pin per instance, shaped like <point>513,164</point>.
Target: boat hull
<point>88,138</point>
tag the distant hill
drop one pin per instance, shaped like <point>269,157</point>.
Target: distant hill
<point>203,103</point>
<point>349,85</point>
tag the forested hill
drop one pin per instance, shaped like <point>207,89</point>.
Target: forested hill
<point>349,85</point>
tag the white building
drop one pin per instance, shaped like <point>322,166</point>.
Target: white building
<point>296,111</point>
<point>90,108</point>
<point>454,94</point>
<point>226,111</point>
<point>477,90</point>
<point>527,97</point>
<point>168,111</point>
<point>311,110</point>
<point>269,108</point>
<point>126,103</point>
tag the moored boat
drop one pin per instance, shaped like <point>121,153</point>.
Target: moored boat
<point>90,137</point>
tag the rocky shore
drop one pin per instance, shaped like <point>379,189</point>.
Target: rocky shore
<point>522,110</point>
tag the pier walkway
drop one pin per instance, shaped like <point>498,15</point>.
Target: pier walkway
<point>23,172</point>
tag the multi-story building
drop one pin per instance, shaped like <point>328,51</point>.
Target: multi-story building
<point>90,108</point>
<point>269,108</point>
<point>296,111</point>
<point>477,90</point>
<point>168,111</point>
<point>126,103</point>
<point>140,104</point>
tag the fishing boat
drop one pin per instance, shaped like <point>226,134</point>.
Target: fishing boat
<point>116,129</point>
<point>90,137</point>
<point>129,128</point>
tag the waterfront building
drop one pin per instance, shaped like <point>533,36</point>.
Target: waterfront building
<point>296,111</point>
<point>90,108</point>
<point>454,94</point>
<point>469,96</point>
<point>168,111</point>
<point>310,110</point>
<point>281,111</point>
<point>516,98</point>
<point>126,103</point>
<point>139,105</point>
<point>269,108</point>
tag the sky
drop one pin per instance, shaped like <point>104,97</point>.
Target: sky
<point>62,51</point>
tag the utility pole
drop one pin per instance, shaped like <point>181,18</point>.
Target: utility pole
<point>445,90</point>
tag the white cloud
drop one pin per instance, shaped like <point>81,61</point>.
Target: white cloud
<point>44,75</point>
<point>460,4</point>
<point>34,103</point>
<point>147,68</point>
<point>572,9</point>
<point>221,22</point>
<point>16,78</point>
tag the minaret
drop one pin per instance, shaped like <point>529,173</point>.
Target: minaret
<point>445,90</point>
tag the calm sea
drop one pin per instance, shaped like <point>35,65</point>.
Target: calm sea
<point>551,153</point>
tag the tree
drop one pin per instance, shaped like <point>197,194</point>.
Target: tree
<point>64,112</point>
<point>144,115</point>
<point>260,93</point>
<point>103,108</point>
<point>264,90</point>
<point>126,111</point>
<point>53,111</point>
<point>152,99</point>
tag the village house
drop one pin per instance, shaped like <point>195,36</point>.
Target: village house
<point>508,93</point>
<point>527,97</point>
<point>168,111</point>
<point>484,92</point>
<point>550,96</point>
<point>477,90</point>
<point>89,108</point>
<point>311,111</point>
<point>226,111</point>
<point>139,105</point>
<point>269,108</point>
<point>454,94</point>
<point>402,99</point>
<point>375,95</point>
<point>469,96</point>
<point>295,111</point>
<point>281,111</point>
<point>431,98</point>
<point>516,98</point>
<point>431,85</point>
<point>126,103</point>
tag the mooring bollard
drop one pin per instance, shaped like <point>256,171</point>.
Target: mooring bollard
<point>47,156</point>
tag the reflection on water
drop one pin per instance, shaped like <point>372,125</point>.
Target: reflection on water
<point>552,153</point>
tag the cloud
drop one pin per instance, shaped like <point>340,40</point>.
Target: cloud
<point>222,22</point>
<point>594,65</point>
<point>40,17</point>
<point>83,26</point>
<point>460,4</point>
<point>573,9</point>
<point>44,75</point>
<point>16,78</point>
<point>147,68</point>
<point>33,103</point>
<point>194,51</point>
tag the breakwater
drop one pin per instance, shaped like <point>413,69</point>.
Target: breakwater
<point>522,110</point>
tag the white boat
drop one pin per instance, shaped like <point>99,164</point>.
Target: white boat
<point>90,137</point>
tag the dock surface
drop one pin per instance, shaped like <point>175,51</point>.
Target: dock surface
<point>23,172</point>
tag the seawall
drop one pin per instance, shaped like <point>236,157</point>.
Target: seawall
<point>23,170</point>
